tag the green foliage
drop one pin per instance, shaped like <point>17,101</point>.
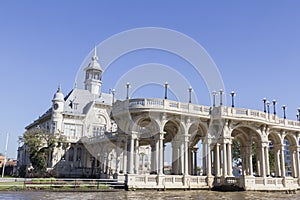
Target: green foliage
<point>41,143</point>
<point>236,152</point>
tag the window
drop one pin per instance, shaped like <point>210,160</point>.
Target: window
<point>71,154</point>
<point>72,130</point>
<point>98,130</point>
<point>79,152</point>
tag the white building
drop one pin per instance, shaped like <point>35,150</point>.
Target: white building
<point>127,140</point>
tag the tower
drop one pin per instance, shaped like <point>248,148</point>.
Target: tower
<point>57,111</point>
<point>93,75</point>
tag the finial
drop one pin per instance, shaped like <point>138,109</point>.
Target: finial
<point>95,54</point>
<point>75,84</point>
<point>59,88</point>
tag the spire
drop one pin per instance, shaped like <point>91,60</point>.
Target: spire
<point>95,57</point>
<point>59,88</point>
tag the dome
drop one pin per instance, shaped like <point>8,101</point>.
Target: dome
<point>58,96</point>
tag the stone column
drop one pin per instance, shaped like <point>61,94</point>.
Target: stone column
<point>204,158</point>
<point>208,169</point>
<point>125,157</point>
<point>258,159</point>
<point>153,161</point>
<point>117,156</point>
<point>250,156</point>
<point>277,161</point>
<point>157,150</point>
<point>190,152</point>
<point>131,156</point>
<point>297,162</point>
<point>186,161</point>
<point>262,161</point>
<point>282,161</point>
<point>195,161</point>
<point>137,156</point>
<point>174,157</point>
<point>292,153</point>
<point>161,153</point>
<point>224,160</point>
<point>229,160</point>
<point>217,160</point>
<point>267,160</point>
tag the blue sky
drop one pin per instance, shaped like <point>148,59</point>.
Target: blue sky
<point>255,45</point>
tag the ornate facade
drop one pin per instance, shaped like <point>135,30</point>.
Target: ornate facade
<point>127,140</point>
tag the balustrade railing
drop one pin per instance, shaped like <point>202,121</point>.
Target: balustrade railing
<point>169,105</point>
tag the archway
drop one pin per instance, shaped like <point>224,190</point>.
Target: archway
<point>173,147</point>
<point>197,157</point>
<point>246,152</point>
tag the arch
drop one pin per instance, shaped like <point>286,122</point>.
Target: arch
<point>245,154</point>
<point>197,130</point>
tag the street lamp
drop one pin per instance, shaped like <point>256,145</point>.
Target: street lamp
<point>127,90</point>
<point>232,98</point>
<point>284,108</point>
<point>268,106</point>
<point>298,114</point>
<point>190,94</point>
<point>214,93</point>
<point>265,100</point>
<point>166,90</point>
<point>221,94</point>
<point>274,106</point>
<point>113,91</point>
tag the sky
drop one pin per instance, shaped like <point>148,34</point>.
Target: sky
<point>254,44</point>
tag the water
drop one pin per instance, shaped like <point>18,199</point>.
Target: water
<point>147,195</point>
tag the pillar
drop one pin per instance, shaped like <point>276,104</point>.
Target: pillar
<point>293,166</point>
<point>157,155</point>
<point>282,161</point>
<point>262,161</point>
<point>208,169</point>
<point>229,160</point>
<point>217,160</point>
<point>161,153</point>
<point>250,160</point>
<point>186,162</point>
<point>125,156</point>
<point>298,162</point>
<point>267,160</point>
<point>277,161</point>
<point>224,160</point>
<point>136,156</point>
<point>204,158</point>
<point>117,156</point>
<point>195,161</point>
<point>153,161</point>
<point>131,156</point>
<point>190,152</point>
<point>174,157</point>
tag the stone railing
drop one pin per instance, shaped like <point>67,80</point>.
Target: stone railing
<point>205,111</point>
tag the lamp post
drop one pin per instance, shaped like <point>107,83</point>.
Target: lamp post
<point>190,94</point>
<point>113,91</point>
<point>284,114</point>
<point>232,98</point>
<point>298,114</point>
<point>268,106</point>
<point>214,93</point>
<point>127,90</point>
<point>166,90</point>
<point>221,94</point>
<point>274,106</point>
<point>265,100</point>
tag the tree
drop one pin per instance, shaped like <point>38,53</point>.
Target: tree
<point>41,143</point>
<point>236,152</point>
